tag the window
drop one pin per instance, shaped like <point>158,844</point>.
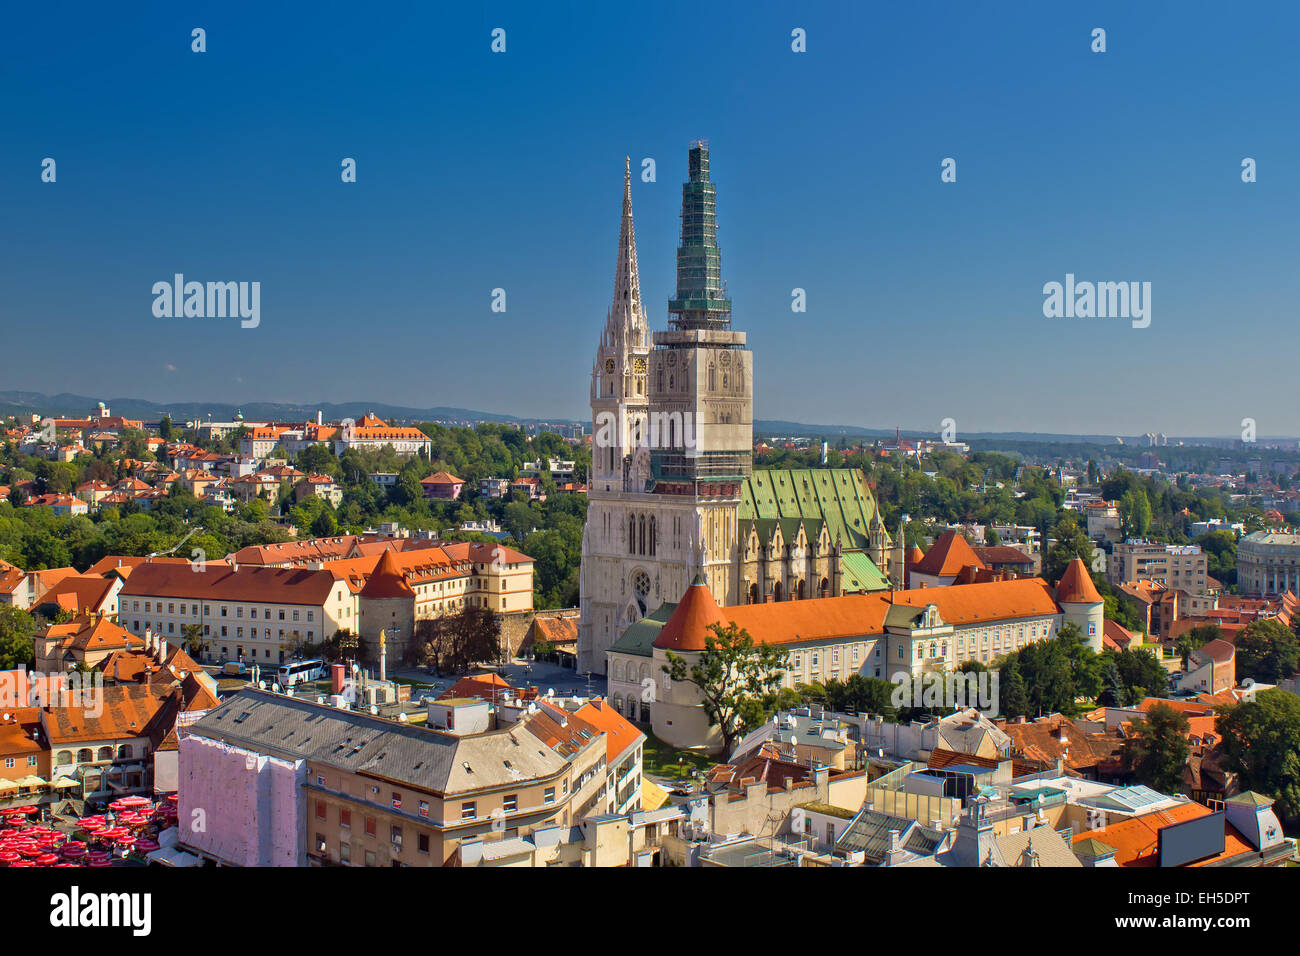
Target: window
<point>549,795</point>
<point>424,808</point>
<point>396,833</point>
<point>345,853</point>
<point>320,809</point>
<point>370,858</point>
<point>397,801</point>
<point>345,817</point>
<point>510,803</point>
<point>423,845</point>
<point>370,828</point>
<point>468,810</point>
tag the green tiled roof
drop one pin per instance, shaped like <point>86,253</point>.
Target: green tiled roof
<point>639,638</point>
<point>859,573</point>
<point>838,496</point>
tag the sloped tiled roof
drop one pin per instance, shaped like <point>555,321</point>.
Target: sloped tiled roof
<point>620,735</point>
<point>1076,585</point>
<point>947,556</point>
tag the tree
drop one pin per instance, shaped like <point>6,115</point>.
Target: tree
<point>1261,741</point>
<point>324,525</point>
<point>1267,651</point>
<point>1141,672</point>
<point>1071,542</point>
<point>192,636</point>
<point>1156,753</point>
<point>730,673</point>
<point>1015,696</point>
<point>1135,513</point>
<point>992,538</point>
<point>165,428</point>
<point>17,638</point>
<point>455,642</point>
<point>1112,687</point>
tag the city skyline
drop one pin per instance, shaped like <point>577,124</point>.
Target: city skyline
<point>478,171</point>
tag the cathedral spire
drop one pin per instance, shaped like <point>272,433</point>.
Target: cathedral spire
<point>626,321</point>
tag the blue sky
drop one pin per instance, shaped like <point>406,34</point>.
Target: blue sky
<point>479,170</point>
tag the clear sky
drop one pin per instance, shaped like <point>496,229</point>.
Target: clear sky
<point>479,170</point>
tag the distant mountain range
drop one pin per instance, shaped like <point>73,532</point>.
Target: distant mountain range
<point>65,405</point>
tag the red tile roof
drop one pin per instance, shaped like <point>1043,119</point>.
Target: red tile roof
<point>387,580</point>
<point>620,735</point>
<point>1076,585</point>
<point>221,582</point>
<point>947,556</point>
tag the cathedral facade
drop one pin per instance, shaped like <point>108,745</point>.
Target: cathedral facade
<point>673,496</point>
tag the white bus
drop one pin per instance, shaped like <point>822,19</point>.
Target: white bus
<point>289,674</point>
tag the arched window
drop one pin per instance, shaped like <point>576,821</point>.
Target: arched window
<point>618,703</point>
<point>105,753</point>
<point>631,534</point>
<point>777,592</point>
<point>64,758</point>
<point>642,548</point>
<point>652,534</point>
<point>124,752</point>
<point>618,670</point>
<point>84,755</point>
<point>824,587</point>
<point>800,591</point>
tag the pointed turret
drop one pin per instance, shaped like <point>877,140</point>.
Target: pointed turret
<point>625,324</point>
<point>619,380</point>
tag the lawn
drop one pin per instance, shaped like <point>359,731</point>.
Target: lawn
<point>661,760</point>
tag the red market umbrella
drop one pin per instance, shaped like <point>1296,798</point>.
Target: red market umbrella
<point>48,859</point>
<point>146,845</point>
<point>8,856</point>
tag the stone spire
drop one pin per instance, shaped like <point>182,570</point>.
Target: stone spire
<point>625,324</point>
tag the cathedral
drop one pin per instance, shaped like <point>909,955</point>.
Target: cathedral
<point>673,495</point>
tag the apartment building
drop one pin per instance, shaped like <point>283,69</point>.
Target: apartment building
<point>352,789</point>
<point>258,615</point>
<point>1178,567</point>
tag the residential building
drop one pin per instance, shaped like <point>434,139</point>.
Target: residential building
<point>442,485</point>
<point>258,615</point>
<point>299,783</point>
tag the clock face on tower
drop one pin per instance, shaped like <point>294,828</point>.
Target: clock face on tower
<point>639,366</point>
<point>609,365</point>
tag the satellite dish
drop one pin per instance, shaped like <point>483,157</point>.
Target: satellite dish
<point>347,422</point>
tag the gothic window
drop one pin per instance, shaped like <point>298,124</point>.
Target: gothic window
<point>641,585</point>
<point>631,534</point>
<point>713,374</point>
<point>652,535</point>
<point>641,549</point>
